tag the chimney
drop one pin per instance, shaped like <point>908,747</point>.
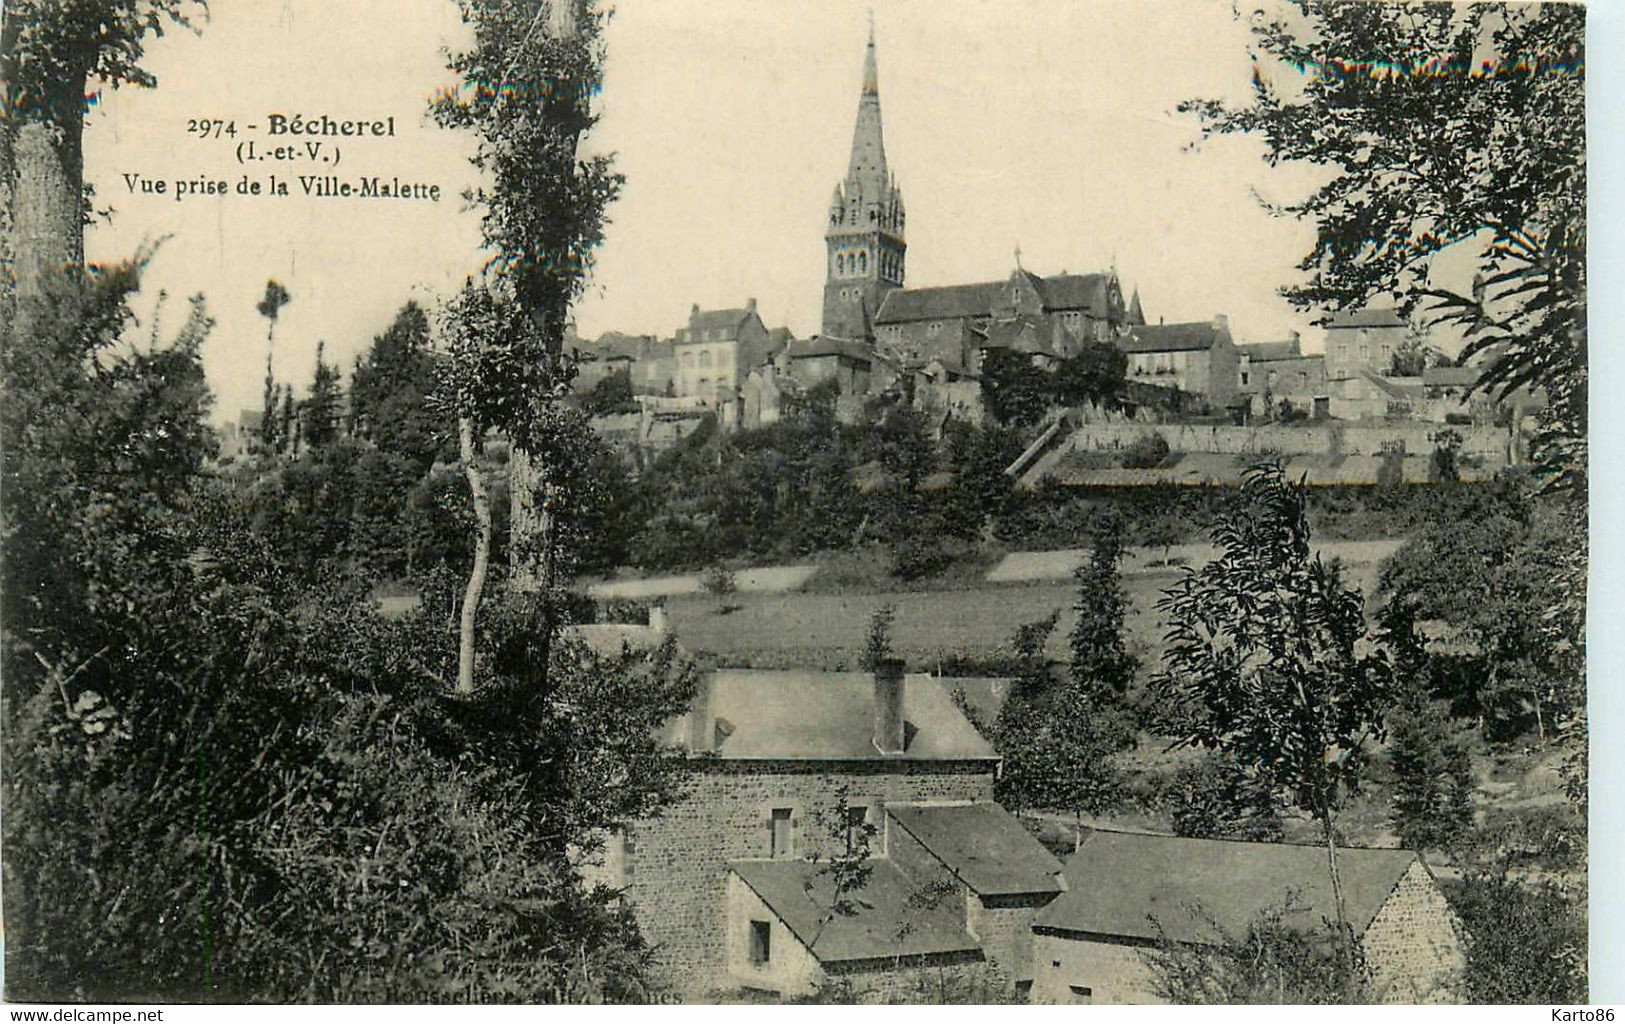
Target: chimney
<point>750,305</point>
<point>1221,322</point>
<point>889,705</point>
<point>657,618</point>
<point>700,725</point>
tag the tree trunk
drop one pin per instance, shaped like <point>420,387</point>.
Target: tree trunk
<point>531,542</point>
<point>43,179</point>
<point>482,555</point>
<point>1344,936</point>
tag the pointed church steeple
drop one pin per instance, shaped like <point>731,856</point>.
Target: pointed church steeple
<point>864,240</point>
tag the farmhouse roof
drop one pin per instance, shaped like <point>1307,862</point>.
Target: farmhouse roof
<point>984,845</point>
<point>1126,884</point>
<point>887,921</point>
<point>808,715</point>
<point>1192,337</point>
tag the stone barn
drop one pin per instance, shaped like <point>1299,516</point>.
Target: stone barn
<point>1126,891</point>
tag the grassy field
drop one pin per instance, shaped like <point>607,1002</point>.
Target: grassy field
<point>827,629</point>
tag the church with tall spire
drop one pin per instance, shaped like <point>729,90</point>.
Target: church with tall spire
<point>864,246</point>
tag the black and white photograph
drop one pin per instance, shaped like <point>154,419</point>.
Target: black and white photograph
<point>557,502</point>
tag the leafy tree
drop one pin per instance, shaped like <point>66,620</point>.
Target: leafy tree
<point>843,854</point>
<point>270,307</point>
<point>390,388</point>
<point>1433,778</point>
<point>1272,962</point>
<point>877,647</point>
<point>528,83</point>
<point>1525,941</point>
<point>1267,658</point>
<point>1017,392</point>
<point>1217,799</point>
<point>1146,451</point>
<point>321,408</point>
<point>611,394</point>
<point>1485,573</point>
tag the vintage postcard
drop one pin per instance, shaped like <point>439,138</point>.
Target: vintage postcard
<point>519,501</point>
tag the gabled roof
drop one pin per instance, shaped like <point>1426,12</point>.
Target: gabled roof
<point>1088,292</point>
<point>1125,884</point>
<point>890,919</point>
<point>1408,391</point>
<point>1271,351</point>
<point>728,319</point>
<point>1367,318</point>
<point>1020,334</point>
<point>807,715</point>
<point>903,305</point>
<point>1195,337</point>
<point>984,845</point>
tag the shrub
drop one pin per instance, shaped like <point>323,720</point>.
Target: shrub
<point>1146,451</point>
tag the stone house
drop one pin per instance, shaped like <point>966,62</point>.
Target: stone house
<point>1271,372</point>
<point>727,881</point>
<point>717,349</point>
<point>1197,358</point>
<point>1127,892</point>
<point>812,362</point>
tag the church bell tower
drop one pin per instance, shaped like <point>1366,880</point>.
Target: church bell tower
<point>864,245</point>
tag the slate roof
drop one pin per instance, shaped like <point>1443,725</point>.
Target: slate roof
<point>808,715</point>
<point>887,923</point>
<point>1402,391</point>
<point>727,319</point>
<point>1117,882</point>
<point>1272,351</point>
<point>984,845</point>
<point>1089,292</point>
<point>903,305</point>
<point>1194,337</point>
<point>827,346</point>
<point>1019,334</point>
<point>1367,318</point>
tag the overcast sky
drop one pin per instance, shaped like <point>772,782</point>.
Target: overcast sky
<point>1048,125</point>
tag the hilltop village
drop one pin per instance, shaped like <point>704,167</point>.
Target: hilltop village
<point>1379,387</point>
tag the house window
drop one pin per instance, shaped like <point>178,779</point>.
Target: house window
<point>761,942</point>
<point>780,837</point>
<point>863,262</point>
<point>1244,376</point>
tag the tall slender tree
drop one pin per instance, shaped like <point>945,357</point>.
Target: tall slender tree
<point>270,307</point>
<point>1268,659</point>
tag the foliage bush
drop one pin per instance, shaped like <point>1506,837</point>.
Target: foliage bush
<point>1146,451</point>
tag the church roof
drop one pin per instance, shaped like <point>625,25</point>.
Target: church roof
<point>809,715</point>
<point>983,845</point>
<point>888,918</point>
<point>1088,292</point>
<point>1195,337</point>
<point>954,301</point>
<point>1126,884</point>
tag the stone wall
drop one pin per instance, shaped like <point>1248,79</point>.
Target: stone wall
<point>950,978</point>
<point>791,969</point>
<point>1004,925</point>
<point>1112,972</point>
<point>1275,439</point>
<point>678,882</point>
<point>1414,943</point>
